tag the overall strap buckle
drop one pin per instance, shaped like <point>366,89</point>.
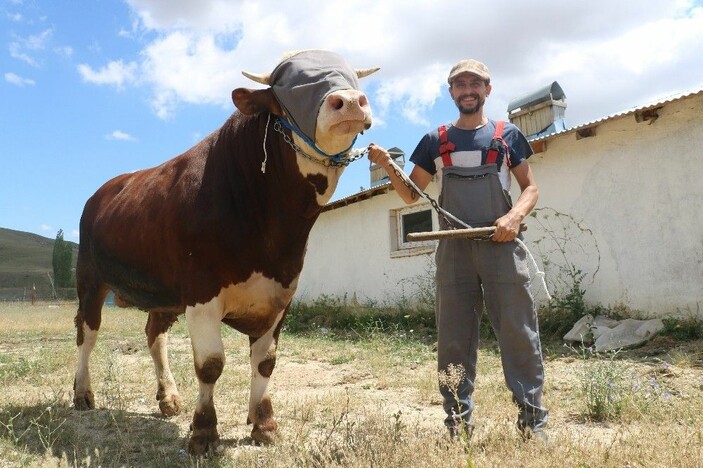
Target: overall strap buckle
<point>496,143</point>
<point>445,146</point>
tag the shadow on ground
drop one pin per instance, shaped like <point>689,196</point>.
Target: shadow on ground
<point>100,437</point>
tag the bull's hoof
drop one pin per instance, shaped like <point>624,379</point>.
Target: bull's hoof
<point>265,435</point>
<point>84,401</point>
<point>203,440</point>
<point>170,405</point>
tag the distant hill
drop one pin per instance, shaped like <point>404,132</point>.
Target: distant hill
<point>25,260</point>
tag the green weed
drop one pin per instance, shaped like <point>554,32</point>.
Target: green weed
<point>40,426</point>
<point>687,328</point>
<point>612,392</point>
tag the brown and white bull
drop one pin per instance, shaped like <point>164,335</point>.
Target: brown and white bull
<point>219,233</point>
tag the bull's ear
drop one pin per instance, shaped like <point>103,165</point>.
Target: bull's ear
<point>253,101</point>
<point>362,72</point>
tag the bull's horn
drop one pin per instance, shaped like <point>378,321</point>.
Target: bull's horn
<point>362,72</point>
<point>262,78</point>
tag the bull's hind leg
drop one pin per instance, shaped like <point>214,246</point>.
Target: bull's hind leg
<point>157,327</point>
<point>262,355</point>
<point>209,359</point>
<point>87,321</point>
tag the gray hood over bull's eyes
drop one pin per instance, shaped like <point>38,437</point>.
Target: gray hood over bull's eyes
<point>301,83</point>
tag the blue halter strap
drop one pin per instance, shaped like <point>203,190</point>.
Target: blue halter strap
<point>335,157</point>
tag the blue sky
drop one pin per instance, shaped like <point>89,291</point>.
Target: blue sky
<point>93,89</point>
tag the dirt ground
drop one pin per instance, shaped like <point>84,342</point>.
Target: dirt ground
<point>320,386</point>
<point>307,381</point>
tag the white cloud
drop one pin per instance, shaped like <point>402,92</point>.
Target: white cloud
<point>46,228</point>
<point>120,136</point>
<point>29,49</point>
<point>188,68</point>
<point>197,50</point>
<point>393,95</point>
<point>21,48</point>
<point>17,52</point>
<point>64,51</point>
<point>115,73</point>
<point>208,15</point>
<point>95,47</point>
<point>38,41</point>
<point>18,80</point>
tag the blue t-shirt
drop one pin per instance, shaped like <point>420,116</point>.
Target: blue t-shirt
<point>470,149</point>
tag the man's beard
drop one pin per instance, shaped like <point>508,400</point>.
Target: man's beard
<point>473,109</point>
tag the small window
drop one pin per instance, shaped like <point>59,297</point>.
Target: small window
<point>416,219</point>
<point>420,221</point>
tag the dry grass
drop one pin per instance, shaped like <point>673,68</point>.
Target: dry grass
<point>362,403</point>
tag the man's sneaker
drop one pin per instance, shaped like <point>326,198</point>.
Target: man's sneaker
<point>461,431</point>
<point>538,435</point>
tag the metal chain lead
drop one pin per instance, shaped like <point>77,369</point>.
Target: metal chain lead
<point>448,218</point>
<point>347,159</point>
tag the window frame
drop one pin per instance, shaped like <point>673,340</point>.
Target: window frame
<point>400,248</point>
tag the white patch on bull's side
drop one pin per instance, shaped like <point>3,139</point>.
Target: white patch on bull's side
<point>258,352</point>
<point>82,372</point>
<point>258,296</point>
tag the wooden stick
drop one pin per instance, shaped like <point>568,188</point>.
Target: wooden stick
<point>472,233</point>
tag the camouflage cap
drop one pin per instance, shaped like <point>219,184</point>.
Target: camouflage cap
<point>469,66</point>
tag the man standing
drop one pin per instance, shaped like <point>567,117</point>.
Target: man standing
<point>473,158</point>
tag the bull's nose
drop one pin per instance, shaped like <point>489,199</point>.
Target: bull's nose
<point>338,101</point>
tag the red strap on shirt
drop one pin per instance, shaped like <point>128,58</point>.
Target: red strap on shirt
<point>492,154</point>
<point>445,146</point>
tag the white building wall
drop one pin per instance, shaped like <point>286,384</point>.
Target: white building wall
<point>639,188</point>
<point>349,255</point>
<point>636,190</point>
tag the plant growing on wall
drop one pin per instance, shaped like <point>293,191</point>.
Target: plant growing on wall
<point>571,259</point>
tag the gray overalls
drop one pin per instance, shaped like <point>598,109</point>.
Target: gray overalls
<point>470,272</point>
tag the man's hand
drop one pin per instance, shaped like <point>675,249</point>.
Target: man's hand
<point>419,176</point>
<point>507,228</point>
<point>379,155</point>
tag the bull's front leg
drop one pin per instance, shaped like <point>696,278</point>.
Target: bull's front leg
<point>209,358</point>
<point>262,354</point>
<point>157,327</point>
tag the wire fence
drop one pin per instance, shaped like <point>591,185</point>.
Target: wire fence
<point>39,294</point>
